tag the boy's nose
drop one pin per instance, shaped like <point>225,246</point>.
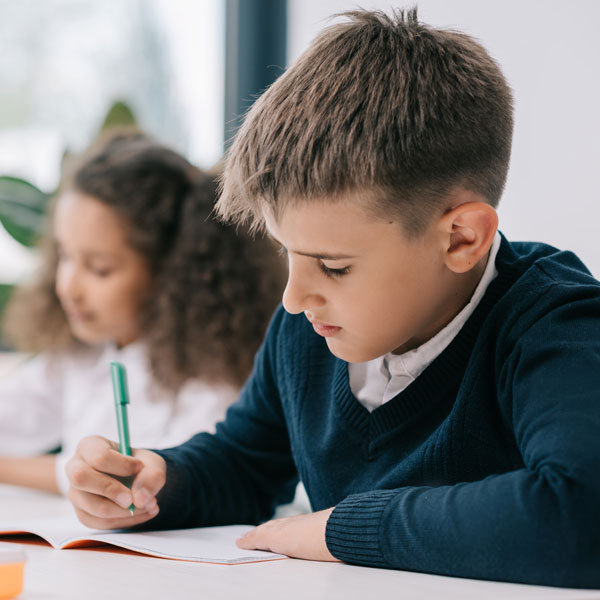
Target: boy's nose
<point>299,295</point>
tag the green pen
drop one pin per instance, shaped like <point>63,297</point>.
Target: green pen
<point>119,382</point>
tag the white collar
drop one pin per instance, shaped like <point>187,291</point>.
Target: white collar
<point>377,381</point>
<point>416,360</point>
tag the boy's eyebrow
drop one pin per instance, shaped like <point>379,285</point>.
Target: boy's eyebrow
<point>324,255</point>
<point>319,255</point>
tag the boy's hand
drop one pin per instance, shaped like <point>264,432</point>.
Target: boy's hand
<point>100,500</point>
<point>301,536</point>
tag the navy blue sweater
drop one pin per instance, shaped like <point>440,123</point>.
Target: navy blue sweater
<point>486,466</point>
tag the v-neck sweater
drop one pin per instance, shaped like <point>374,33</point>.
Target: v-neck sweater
<point>486,466</point>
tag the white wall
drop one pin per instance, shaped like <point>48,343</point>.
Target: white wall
<point>550,53</point>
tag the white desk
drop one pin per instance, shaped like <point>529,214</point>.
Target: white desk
<point>100,574</point>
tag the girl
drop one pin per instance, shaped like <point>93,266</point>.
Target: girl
<point>134,270</point>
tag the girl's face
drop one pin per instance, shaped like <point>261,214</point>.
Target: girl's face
<point>101,282</point>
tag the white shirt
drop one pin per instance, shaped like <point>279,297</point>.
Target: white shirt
<point>375,382</point>
<point>51,401</point>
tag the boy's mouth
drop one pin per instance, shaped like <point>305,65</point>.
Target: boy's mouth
<point>324,329</point>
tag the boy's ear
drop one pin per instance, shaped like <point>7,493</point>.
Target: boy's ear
<point>468,232</point>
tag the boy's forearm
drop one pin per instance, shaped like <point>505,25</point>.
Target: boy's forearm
<point>206,487</point>
<point>30,471</point>
<point>521,526</point>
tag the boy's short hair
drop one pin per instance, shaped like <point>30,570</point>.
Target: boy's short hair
<point>381,105</point>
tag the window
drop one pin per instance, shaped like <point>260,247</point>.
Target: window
<point>65,62</point>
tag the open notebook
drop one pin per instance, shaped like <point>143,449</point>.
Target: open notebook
<point>204,544</point>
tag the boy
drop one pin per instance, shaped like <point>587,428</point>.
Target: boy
<point>434,386</point>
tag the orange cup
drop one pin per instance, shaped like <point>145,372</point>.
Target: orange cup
<point>12,564</point>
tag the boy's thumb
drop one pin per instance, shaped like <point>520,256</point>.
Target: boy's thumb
<point>149,480</point>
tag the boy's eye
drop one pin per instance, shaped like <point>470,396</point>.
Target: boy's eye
<point>334,272</point>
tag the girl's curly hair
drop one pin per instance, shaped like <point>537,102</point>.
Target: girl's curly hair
<point>215,287</point>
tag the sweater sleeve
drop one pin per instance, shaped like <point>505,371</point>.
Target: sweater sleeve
<point>538,524</point>
<point>240,473</point>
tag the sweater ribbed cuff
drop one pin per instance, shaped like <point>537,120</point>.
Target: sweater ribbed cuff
<point>352,533</point>
<point>175,511</point>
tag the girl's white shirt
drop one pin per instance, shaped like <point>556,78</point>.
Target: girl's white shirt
<point>55,400</point>
<point>377,381</point>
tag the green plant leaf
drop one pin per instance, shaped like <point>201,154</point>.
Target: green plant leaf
<point>22,209</point>
<point>118,115</point>
<point>6,289</point>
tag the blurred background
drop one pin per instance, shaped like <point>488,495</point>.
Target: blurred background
<point>186,70</point>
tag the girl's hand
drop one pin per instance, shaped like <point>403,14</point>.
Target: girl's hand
<point>301,536</point>
<point>100,500</point>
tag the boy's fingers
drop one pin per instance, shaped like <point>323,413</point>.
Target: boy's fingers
<point>119,522</point>
<point>150,479</point>
<point>96,506</point>
<point>85,479</point>
<point>103,455</point>
<point>100,499</point>
<point>103,508</point>
<point>247,541</point>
